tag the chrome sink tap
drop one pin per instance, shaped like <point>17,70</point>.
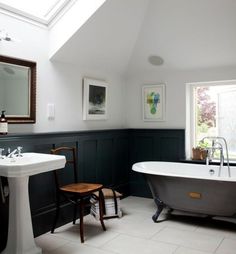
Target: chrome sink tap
<point>1,155</point>
<point>10,155</point>
<point>19,150</point>
<point>16,152</point>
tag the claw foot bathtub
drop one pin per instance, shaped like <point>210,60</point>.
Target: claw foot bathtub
<point>188,187</point>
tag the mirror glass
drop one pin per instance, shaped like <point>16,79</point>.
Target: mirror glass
<point>18,89</point>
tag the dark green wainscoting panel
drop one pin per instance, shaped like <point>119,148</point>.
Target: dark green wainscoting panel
<point>104,156</point>
<point>153,145</point>
<point>97,155</point>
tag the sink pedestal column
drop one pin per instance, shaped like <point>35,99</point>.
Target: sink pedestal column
<point>20,232</point>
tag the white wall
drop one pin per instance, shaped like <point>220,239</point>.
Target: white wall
<point>58,83</point>
<point>189,47</point>
<point>175,93</point>
<point>61,84</point>
<point>63,87</point>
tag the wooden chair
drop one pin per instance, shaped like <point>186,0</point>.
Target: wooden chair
<point>75,192</point>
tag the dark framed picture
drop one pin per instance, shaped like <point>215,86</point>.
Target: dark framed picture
<point>94,99</point>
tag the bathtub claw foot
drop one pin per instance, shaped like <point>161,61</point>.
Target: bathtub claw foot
<point>160,206</point>
<point>155,217</point>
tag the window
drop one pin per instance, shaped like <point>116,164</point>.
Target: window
<point>41,11</point>
<point>213,113</point>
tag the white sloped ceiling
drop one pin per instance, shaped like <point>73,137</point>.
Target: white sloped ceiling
<point>187,34</point>
<point>107,39</point>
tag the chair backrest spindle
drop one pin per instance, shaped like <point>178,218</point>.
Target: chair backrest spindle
<point>63,150</point>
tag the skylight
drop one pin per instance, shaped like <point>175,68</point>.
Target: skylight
<point>43,11</point>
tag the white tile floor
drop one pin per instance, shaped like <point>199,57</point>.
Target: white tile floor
<point>136,233</point>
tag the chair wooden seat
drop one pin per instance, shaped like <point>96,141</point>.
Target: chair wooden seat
<point>77,192</point>
<point>81,188</point>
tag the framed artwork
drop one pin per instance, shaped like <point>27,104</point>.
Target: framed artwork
<point>94,99</point>
<point>153,102</point>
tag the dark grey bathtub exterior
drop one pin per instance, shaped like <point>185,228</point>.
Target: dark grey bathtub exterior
<point>214,197</point>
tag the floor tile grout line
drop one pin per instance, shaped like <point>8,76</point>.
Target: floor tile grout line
<point>187,247</point>
<point>145,239</point>
<point>106,242</point>
<point>197,249</point>
<point>102,246</point>
<point>66,238</point>
<point>219,245</point>
<point>85,243</point>
<point>179,246</point>
<point>177,249</point>
<point>158,232</point>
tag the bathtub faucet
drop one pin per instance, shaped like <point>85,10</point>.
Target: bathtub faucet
<point>217,145</point>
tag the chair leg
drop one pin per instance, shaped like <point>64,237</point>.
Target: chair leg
<point>81,216</point>
<point>101,209</point>
<point>57,213</point>
<point>75,210</point>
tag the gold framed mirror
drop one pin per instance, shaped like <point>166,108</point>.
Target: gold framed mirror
<point>18,89</point>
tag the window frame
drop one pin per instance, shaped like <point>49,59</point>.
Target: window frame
<point>55,10</point>
<point>190,132</point>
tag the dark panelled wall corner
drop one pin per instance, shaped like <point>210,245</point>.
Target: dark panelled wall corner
<point>104,156</point>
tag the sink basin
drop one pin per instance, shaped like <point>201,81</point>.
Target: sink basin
<point>30,164</point>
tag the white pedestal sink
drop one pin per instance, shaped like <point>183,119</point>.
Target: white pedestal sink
<point>20,232</point>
